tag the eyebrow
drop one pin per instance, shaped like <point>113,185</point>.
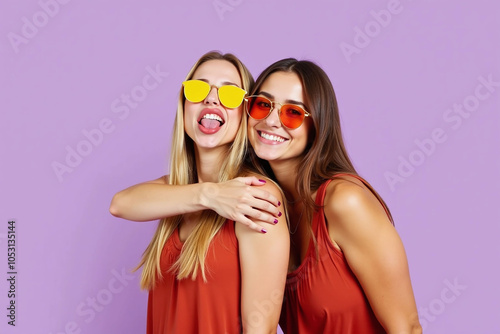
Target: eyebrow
<point>223,83</point>
<point>271,97</point>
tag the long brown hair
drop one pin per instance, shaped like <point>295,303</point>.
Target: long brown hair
<point>325,155</point>
<point>183,170</point>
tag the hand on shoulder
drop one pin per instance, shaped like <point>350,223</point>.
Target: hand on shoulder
<point>249,200</point>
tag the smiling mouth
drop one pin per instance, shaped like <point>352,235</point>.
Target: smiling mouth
<point>271,137</point>
<point>211,121</point>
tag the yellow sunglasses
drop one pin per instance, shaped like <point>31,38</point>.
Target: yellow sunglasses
<point>229,95</point>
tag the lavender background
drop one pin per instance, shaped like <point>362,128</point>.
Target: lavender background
<point>66,65</point>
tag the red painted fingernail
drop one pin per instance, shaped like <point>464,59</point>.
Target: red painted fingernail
<point>263,230</point>
<point>279,203</point>
<point>264,181</point>
<point>276,221</point>
<point>279,214</point>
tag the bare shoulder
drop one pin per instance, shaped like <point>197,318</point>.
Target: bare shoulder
<point>349,203</point>
<point>161,180</point>
<point>269,186</point>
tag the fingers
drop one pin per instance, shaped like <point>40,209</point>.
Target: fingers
<point>265,201</point>
<point>262,194</point>
<point>252,225</point>
<point>240,201</point>
<point>260,215</point>
<point>252,181</point>
<point>259,193</point>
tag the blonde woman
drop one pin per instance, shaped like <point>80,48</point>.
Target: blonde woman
<point>206,273</point>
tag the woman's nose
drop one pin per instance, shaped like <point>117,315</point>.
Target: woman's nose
<point>212,97</point>
<point>273,119</point>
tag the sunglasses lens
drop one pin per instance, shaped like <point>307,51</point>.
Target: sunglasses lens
<point>231,96</point>
<point>258,107</point>
<point>292,116</point>
<point>196,90</point>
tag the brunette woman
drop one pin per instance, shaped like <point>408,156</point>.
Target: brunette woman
<point>348,269</point>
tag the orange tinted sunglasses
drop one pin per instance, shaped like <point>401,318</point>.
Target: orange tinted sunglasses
<point>291,115</point>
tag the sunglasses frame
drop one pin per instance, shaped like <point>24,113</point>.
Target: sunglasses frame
<point>273,105</point>
<point>210,89</point>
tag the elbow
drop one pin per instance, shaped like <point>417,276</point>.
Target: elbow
<point>115,207</point>
<point>411,328</point>
<point>416,328</point>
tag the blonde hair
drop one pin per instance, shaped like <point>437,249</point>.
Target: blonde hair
<point>183,171</point>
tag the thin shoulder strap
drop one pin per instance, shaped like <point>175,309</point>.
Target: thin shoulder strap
<point>318,222</point>
<point>320,195</point>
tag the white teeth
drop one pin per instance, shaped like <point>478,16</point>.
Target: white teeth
<point>213,116</point>
<point>271,137</point>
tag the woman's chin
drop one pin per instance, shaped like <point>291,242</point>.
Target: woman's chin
<point>269,156</point>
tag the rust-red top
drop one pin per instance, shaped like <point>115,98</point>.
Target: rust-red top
<point>187,306</point>
<point>324,296</point>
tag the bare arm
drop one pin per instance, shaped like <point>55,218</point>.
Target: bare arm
<point>264,264</point>
<point>358,224</point>
<point>239,200</point>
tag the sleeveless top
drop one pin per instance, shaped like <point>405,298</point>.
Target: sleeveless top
<point>187,306</point>
<point>322,295</point>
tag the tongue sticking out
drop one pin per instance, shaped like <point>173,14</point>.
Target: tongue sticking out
<point>210,123</point>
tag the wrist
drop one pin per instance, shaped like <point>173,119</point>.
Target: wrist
<point>206,191</point>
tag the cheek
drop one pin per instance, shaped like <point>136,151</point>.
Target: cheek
<point>236,116</point>
<point>239,112</point>
<point>188,111</point>
<point>251,123</point>
<point>250,130</point>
